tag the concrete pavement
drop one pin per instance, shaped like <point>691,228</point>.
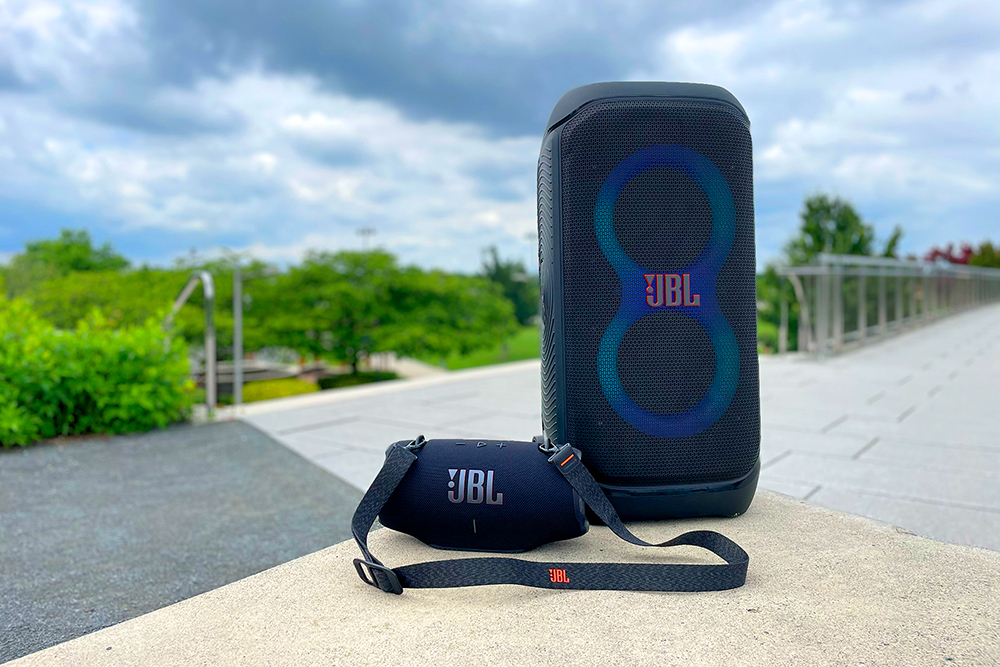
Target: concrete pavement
<point>823,588</point>
<point>905,431</point>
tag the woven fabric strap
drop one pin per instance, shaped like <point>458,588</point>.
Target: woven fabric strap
<point>580,576</point>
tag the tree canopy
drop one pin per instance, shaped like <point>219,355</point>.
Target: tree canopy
<point>986,255</point>
<point>72,251</point>
<point>833,225</point>
<point>521,288</point>
<point>348,304</point>
<point>340,306</point>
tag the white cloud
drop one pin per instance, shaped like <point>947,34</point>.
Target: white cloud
<point>410,179</point>
<point>894,107</point>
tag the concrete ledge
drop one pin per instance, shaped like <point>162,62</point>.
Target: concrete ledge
<point>824,588</point>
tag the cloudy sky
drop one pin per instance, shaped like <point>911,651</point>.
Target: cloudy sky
<point>274,128</point>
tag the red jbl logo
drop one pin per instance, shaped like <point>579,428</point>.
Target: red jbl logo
<point>558,576</point>
<point>670,289</point>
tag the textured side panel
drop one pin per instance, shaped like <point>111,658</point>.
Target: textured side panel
<point>546,269</point>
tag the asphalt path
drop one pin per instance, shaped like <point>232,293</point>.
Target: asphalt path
<point>94,532</point>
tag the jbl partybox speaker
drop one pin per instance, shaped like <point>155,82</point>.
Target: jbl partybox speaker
<point>646,255</point>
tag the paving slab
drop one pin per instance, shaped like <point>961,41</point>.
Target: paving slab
<point>824,588</point>
<point>895,479</point>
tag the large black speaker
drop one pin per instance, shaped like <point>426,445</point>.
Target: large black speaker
<point>646,257</point>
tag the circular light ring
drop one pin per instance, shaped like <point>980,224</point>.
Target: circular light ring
<point>703,271</point>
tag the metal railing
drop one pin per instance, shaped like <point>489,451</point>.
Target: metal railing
<point>208,290</point>
<point>844,300</point>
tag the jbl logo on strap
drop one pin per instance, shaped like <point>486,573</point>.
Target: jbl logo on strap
<point>558,576</point>
<point>473,487</point>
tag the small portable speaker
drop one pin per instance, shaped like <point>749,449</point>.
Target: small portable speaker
<point>647,267</point>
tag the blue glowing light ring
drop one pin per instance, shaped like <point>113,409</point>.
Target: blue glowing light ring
<point>703,270</point>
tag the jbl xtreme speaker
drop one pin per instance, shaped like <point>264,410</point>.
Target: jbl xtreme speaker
<point>647,266</point>
<point>484,495</point>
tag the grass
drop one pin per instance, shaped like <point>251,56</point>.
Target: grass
<point>262,390</point>
<point>524,344</point>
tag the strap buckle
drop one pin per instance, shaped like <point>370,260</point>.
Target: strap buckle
<point>565,456</point>
<point>378,576</point>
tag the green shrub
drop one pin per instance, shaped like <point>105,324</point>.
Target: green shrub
<point>261,390</point>
<point>767,337</point>
<point>525,344</point>
<point>90,380</point>
<point>351,380</point>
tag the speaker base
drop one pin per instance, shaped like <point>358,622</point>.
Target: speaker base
<point>647,503</point>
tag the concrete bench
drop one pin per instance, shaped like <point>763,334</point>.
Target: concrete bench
<point>824,588</point>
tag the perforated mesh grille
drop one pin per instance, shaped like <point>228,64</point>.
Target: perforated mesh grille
<point>662,221</point>
<point>666,374</point>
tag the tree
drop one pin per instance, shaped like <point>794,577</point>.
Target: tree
<point>892,244</point>
<point>830,225</point>
<point>46,259</point>
<point>986,255</point>
<point>833,226</point>
<point>948,254</point>
<point>345,305</point>
<point>771,290</point>
<point>517,286</point>
<point>129,298</point>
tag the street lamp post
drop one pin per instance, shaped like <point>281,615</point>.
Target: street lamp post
<point>237,335</point>
<point>366,233</point>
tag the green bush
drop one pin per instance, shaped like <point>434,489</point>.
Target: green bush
<point>767,337</point>
<point>93,379</point>
<point>261,390</point>
<point>524,344</point>
<point>353,379</point>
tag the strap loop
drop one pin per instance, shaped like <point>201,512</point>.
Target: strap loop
<point>378,576</point>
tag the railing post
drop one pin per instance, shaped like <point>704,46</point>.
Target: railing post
<point>883,323</point>
<point>805,321</point>
<point>899,301</point>
<point>211,377</point>
<point>939,302</point>
<point>822,309</point>
<point>862,308</point>
<point>837,294</point>
<point>783,326</point>
<point>926,300</point>
<point>237,334</point>
<point>913,300</point>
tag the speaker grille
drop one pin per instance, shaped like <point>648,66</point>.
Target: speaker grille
<point>683,362</point>
<point>663,221</point>
<point>646,216</point>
